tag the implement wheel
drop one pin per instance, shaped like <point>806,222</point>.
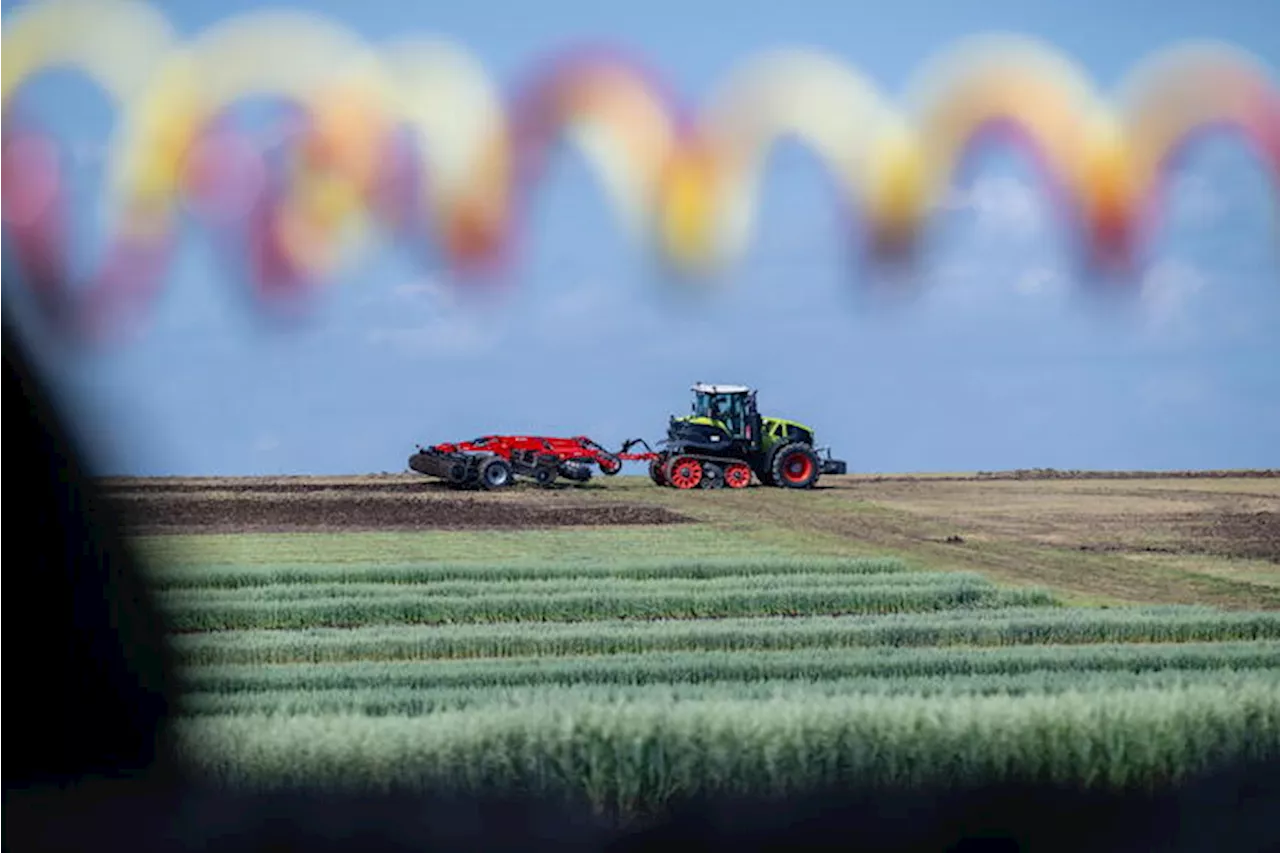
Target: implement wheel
<point>657,471</point>
<point>495,473</point>
<point>684,472</point>
<point>796,466</point>
<point>737,475</point>
<point>609,464</point>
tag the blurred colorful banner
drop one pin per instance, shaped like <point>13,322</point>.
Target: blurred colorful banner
<point>414,137</point>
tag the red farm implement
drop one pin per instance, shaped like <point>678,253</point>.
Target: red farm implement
<point>494,461</point>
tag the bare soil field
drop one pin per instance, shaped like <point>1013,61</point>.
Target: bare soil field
<point>1167,537</point>
<point>245,506</point>
<point>1060,474</point>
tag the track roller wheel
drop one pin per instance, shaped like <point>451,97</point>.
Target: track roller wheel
<point>712,476</point>
<point>796,466</point>
<point>495,473</point>
<point>737,475</point>
<point>684,472</point>
<point>657,471</point>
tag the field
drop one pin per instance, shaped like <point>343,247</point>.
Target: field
<point>633,646</point>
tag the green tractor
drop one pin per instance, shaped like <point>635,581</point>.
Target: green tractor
<point>726,440</point>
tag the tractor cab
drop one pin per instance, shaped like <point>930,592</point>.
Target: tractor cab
<point>725,405</point>
<point>729,406</point>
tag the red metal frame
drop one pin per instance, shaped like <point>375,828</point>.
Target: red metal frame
<point>578,448</point>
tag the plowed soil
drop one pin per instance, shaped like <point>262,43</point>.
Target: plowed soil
<point>225,506</point>
<point>1210,537</point>
<point>1072,474</point>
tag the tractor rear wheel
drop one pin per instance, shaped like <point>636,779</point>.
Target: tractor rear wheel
<point>796,466</point>
<point>683,472</point>
<point>737,475</point>
<point>495,473</point>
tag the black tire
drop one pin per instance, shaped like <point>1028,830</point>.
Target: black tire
<point>495,473</point>
<point>544,475</point>
<point>656,471</point>
<point>795,466</point>
<point>579,472</point>
<point>609,464</point>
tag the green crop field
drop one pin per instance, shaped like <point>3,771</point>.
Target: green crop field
<point>641,666</point>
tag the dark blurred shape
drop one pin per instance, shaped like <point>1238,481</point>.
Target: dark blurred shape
<point>94,683</point>
<point>89,765</point>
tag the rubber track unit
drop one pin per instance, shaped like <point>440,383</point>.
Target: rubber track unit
<point>660,471</point>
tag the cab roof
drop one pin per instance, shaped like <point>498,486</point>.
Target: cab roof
<point>703,388</point>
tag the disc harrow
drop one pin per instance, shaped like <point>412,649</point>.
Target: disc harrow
<point>495,461</point>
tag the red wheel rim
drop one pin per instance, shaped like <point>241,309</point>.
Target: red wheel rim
<point>686,473</point>
<point>737,476</point>
<point>797,468</point>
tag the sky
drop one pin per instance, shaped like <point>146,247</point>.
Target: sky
<point>1000,361</point>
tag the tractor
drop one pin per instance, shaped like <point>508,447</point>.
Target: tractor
<point>726,440</point>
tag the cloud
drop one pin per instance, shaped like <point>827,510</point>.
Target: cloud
<point>451,327</point>
<point>973,282</point>
<point>426,289</point>
<point>1193,201</point>
<point>449,335</point>
<point>1169,290</point>
<point>587,312</point>
<point>1039,281</point>
<point>1000,204</point>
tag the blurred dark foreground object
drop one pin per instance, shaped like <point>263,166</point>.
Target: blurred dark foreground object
<point>88,763</point>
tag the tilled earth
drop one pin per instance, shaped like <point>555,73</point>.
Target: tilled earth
<point>224,506</point>
<point>1222,524</point>
<point>1167,537</point>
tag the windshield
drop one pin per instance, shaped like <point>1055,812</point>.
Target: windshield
<point>729,409</point>
<point>716,406</point>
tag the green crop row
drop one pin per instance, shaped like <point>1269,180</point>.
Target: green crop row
<point>196,577</point>
<point>561,586</point>
<point>993,627</point>
<point>200,616</point>
<point>697,667</point>
<point>636,757</point>
<point>413,701</point>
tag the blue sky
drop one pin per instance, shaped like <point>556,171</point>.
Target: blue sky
<point>1000,362</point>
